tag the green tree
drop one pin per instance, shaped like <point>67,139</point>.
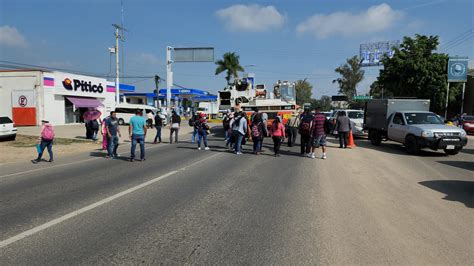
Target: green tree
<point>230,63</point>
<point>351,74</point>
<point>416,71</point>
<point>304,90</point>
<point>324,103</point>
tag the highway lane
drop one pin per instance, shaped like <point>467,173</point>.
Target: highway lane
<point>367,205</point>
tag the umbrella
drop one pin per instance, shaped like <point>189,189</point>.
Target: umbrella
<point>92,114</point>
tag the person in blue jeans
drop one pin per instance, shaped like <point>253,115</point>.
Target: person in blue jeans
<point>239,128</point>
<point>201,128</point>
<point>137,133</point>
<point>113,134</point>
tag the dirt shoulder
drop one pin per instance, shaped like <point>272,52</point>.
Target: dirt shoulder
<point>24,148</point>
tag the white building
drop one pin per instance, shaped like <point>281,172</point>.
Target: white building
<point>29,96</point>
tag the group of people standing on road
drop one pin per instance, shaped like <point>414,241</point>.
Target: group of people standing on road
<point>310,126</point>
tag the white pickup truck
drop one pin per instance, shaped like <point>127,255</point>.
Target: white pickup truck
<point>409,122</point>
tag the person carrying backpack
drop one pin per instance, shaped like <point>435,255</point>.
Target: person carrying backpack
<point>46,141</point>
<point>191,123</point>
<point>226,125</point>
<point>174,128</point>
<point>258,130</point>
<point>201,128</point>
<point>239,129</point>
<point>305,131</point>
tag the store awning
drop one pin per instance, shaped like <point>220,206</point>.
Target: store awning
<point>85,102</point>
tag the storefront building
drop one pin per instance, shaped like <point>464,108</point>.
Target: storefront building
<point>29,96</point>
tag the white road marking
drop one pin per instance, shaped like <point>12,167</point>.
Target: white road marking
<point>75,213</point>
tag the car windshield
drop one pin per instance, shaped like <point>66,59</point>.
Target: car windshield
<point>5,120</point>
<point>355,114</point>
<point>422,118</point>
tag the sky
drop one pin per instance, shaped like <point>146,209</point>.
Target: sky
<point>276,40</point>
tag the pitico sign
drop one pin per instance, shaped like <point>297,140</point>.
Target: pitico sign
<point>81,85</point>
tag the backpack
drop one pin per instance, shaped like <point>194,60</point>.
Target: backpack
<point>47,133</point>
<point>226,123</point>
<point>256,132</point>
<point>305,127</point>
<point>191,122</point>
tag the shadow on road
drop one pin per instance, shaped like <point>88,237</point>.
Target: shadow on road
<point>468,151</point>
<point>455,190</point>
<point>395,148</point>
<point>460,164</point>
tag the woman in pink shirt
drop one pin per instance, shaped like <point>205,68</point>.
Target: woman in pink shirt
<point>277,132</point>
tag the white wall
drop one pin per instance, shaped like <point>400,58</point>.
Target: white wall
<point>10,81</point>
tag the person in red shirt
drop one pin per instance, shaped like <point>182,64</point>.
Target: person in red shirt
<point>318,134</point>
<point>277,132</point>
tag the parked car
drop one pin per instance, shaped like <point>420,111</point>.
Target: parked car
<point>468,124</point>
<point>7,129</point>
<point>357,121</point>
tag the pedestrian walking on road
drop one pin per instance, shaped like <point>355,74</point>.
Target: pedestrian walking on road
<point>137,133</point>
<point>202,128</point>
<point>194,118</point>
<point>158,126</point>
<point>292,126</point>
<point>230,133</point>
<point>258,131</point>
<point>239,130</point>
<point>277,131</point>
<point>45,141</point>
<point>175,124</point>
<point>226,124</point>
<point>113,133</point>
<point>318,133</point>
<point>305,131</point>
<point>94,126</point>
<point>103,131</point>
<point>343,126</point>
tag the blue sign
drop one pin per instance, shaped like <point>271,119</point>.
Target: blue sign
<point>457,69</point>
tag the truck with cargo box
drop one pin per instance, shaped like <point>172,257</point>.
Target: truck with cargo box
<point>408,121</point>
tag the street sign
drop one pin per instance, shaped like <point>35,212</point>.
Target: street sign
<point>362,98</point>
<point>457,69</point>
<point>196,54</point>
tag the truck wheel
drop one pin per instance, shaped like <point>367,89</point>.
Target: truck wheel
<point>121,122</point>
<point>375,138</point>
<point>451,152</point>
<point>411,145</point>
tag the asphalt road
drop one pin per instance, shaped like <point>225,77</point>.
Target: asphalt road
<point>365,205</point>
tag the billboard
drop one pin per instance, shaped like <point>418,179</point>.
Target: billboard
<point>457,69</point>
<point>372,53</point>
<point>199,54</point>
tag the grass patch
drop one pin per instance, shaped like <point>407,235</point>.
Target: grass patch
<point>23,141</point>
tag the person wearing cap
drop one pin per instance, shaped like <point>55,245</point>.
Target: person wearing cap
<point>45,141</point>
<point>201,127</point>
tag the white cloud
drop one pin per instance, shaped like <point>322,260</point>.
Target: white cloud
<point>147,58</point>
<point>375,19</point>
<point>251,18</point>
<point>11,37</point>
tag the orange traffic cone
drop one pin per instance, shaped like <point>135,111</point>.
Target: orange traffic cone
<point>351,143</point>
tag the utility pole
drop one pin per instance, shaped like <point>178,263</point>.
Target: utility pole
<point>118,37</point>
<point>169,80</point>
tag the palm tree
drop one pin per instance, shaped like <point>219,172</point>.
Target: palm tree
<point>229,63</point>
<point>351,74</point>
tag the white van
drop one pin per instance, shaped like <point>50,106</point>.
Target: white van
<point>126,111</point>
